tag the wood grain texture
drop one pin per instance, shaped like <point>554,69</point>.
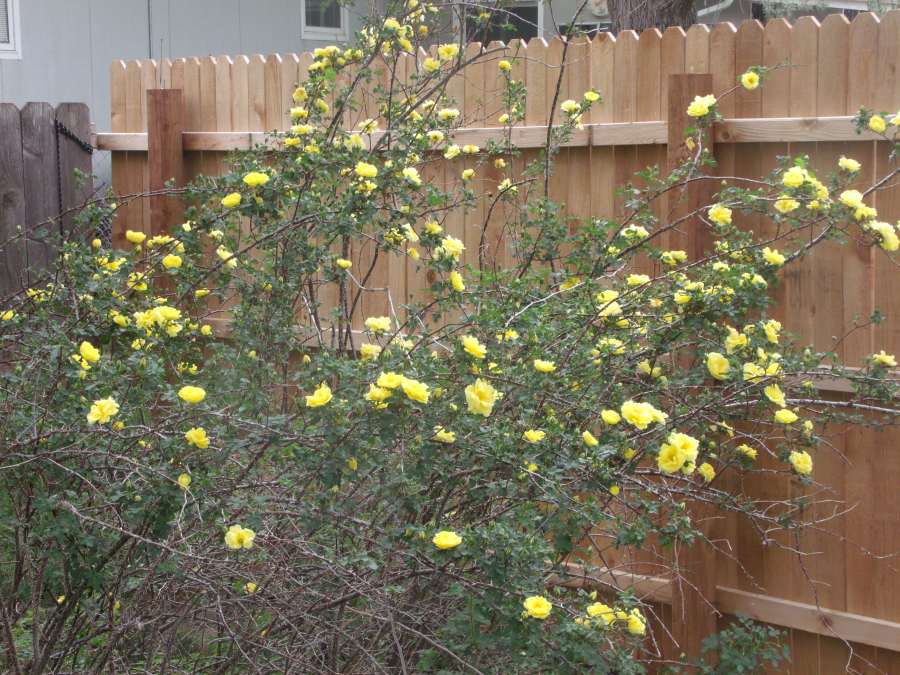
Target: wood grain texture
<point>165,127</point>
<point>41,183</point>
<point>13,256</point>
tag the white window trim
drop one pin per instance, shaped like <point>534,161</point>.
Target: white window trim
<point>13,48</point>
<point>519,3</point>
<point>320,33</point>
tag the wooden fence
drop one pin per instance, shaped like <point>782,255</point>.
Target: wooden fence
<point>39,154</point>
<point>850,615</point>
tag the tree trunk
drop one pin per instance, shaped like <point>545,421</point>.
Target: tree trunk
<point>640,14</point>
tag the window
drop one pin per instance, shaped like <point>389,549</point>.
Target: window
<point>524,20</point>
<point>9,30</point>
<point>322,20</point>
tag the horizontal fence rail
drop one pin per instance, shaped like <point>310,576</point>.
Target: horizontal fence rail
<point>747,130</point>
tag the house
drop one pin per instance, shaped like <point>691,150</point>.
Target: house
<point>61,50</point>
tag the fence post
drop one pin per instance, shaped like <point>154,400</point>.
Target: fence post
<point>694,587</point>
<point>165,125</point>
<point>683,87</point>
<point>13,256</point>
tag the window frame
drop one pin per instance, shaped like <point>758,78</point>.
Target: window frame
<point>341,33</point>
<point>13,48</point>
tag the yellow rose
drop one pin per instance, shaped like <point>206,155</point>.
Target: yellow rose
<point>786,205</point>
<point>537,607</point>
<point>257,178</point>
<point>184,481</point>
<point>443,436</point>
<point>451,247</point>
<point>794,177</point>
<point>750,80</point>
<point>415,390</point>
<point>171,261</point>
<point>641,415</point>
<point>446,539</point>
<point>411,174</point>
<point>785,416</point>
<point>378,324</point>
<point>365,170</point>
<point>717,365</point>
<point>719,214</point>
<point>369,351</point>
<point>377,394</point>
<point>135,237</point>
<point>191,394</point>
<point>604,612</point>
<point>533,435</point>
<point>231,200</point>
<point>505,66</point>
<point>197,437</point>
<point>456,281</point>
<point>849,165</point>
<point>670,459</point>
<point>701,105</point>
<point>569,107</point>
<point>611,417</point>
<point>679,450</point>
<point>544,366</point>
<point>802,462</point>
<point>102,410</point>
<point>775,395</point>
<point>636,623</point>
<point>884,359</point>
<point>238,537</point>
<point>707,471</point>
<point>589,439</point>
<point>343,263</point>
<point>773,256</point>
<point>89,352</point>
<point>481,397</point>
<point>321,396</point>
<point>877,124</point>
<point>448,51</point>
<point>473,347</point>
<point>747,451</point>
<point>389,380</point>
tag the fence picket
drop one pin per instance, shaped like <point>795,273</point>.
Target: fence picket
<point>13,255</point>
<point>40,178</point>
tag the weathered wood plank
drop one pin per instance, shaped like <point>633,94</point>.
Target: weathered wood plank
<point>165,125</point>
<point>41,183</point>
<point>13,258</point>
<point>75,189</point>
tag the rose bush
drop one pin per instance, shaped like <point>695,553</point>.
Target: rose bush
<point>214,461</point>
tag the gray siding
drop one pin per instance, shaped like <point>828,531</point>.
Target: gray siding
<point>68,45</point>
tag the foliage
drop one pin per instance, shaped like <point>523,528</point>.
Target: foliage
<point>745,647</point>
<point>212,462</point>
